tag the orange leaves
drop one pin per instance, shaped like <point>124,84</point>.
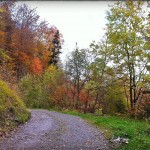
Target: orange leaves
<point>27,41</point>
<point>2,36</point>
<point>84,96</point>
<point>22,56</point>
<point>60,93</point>
<point>36,66</point>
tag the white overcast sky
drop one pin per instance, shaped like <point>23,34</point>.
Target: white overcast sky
<point>78,21</point>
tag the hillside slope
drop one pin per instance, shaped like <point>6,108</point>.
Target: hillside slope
<point>12,109</point>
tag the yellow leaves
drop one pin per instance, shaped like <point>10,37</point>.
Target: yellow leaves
<point>1,10</point>
<point>3,55</point>
<point>51,68</point>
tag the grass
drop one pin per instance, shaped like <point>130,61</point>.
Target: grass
<point>12,109</point>
<point>138,132</point>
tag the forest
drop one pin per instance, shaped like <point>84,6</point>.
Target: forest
<point>110,77</point>
<point>107,80</point>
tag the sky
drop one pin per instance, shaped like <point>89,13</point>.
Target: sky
<point>78,21</point>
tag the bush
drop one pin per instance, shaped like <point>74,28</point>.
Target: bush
<point>38,91</point>
<point>32,93</point>
<point>12,108</point>
<point>115,99</point>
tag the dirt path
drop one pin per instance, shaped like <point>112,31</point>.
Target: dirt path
<point>55,131</point>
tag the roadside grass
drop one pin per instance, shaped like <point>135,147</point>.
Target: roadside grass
<point>12,109</point>
<point>138,132</point>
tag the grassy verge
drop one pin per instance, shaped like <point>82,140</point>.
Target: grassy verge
<point>138,132</point>
<point>12,109</point>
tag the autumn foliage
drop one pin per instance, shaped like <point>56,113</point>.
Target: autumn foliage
<point>32,45</point>
<point>102,79</point>
<point>36,66</point>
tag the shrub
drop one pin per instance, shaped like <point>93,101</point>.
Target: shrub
<point>37,91</point>
<point>115,99</point>
<point>30,91</point>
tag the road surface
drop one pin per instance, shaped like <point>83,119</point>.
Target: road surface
<point>55,131</point>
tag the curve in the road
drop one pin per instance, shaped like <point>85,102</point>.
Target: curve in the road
<point>55,131</point>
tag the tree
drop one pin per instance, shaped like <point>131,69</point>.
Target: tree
<point>126,30</point>
<point>56,46</point>
<point>24,46</point>
<point>6,31</point>
<point>76,68</point>
<point>52,40</point>
<point>100,73</point>
<point>23,38</point>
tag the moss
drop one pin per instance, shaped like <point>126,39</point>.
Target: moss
<point>12,108</point>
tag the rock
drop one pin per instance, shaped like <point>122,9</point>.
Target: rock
<point>120,140</point>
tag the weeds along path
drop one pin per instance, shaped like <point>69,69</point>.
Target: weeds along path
<point>54,131</point>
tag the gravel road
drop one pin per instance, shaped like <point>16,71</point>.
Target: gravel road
<point>55,131</point>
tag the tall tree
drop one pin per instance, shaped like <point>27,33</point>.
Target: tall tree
<point>99,72</point>
<point>6,32</point>
<point>26,23</point>
<point>76,68</point>
<point>126,31</point>
<point>56,46</point>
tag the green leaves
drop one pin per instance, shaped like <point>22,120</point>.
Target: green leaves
<point>125,32</point>
<point>127,36</point>
<point>3,55</point>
